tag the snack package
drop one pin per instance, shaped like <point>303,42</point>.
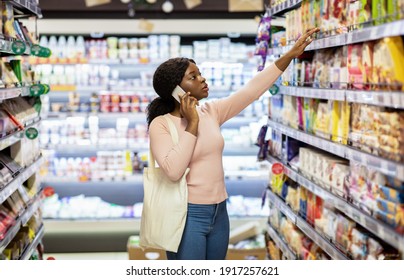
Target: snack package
<point>379,11</point>
<point>338,16</point>
<point>365,13</point>
<point>8,20</point>
<point>322,120</point>
<point>390,135</point>
<point>356,72</point>
<point>303,193</point>
<point>264,29</point>
<point>343,232</point>
<point>353,9</point>
<point>389,64</point>
<point>338,69</point>
<point>391,194</point>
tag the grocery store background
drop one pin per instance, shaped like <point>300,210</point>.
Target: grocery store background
<point>334,120</point>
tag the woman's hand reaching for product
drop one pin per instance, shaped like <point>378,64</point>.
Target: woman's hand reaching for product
<point>302,42</point>
<point>298,48</point>
<point>188,111</point>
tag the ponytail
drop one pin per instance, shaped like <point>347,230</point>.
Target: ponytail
<point>159,107</point>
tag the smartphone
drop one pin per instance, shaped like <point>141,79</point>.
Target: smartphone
<point>177,92</point>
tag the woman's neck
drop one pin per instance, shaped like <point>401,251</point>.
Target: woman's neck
<point>176,112</point>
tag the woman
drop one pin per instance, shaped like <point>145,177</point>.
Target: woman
<point>200,147</point>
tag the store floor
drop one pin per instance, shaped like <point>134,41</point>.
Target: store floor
<point>89,256</point>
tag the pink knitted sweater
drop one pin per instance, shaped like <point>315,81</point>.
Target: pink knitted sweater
<point>203,154</point>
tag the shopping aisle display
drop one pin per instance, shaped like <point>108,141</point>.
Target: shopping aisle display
<point>21,225</point>
<point>335,133</point>
<point>94,133</point>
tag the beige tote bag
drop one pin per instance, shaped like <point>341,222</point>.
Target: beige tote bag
<point>165,205</point>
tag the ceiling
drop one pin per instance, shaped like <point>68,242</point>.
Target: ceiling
<point>209,9</point>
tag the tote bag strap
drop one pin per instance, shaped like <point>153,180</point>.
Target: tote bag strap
<point>174,137</point>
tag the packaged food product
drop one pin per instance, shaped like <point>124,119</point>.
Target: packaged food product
<point>365,13</point>
<point>391,194</point>
<point>387,206</point>
<point>389,64</point>
<point>8,20</point>
<point>379,11</point>
<point>322,120</point>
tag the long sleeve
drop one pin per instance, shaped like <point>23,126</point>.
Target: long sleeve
<point>227,108</point>
<point>173,159</point>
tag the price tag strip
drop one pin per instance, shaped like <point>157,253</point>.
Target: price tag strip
<point>387,99</point>
<point>10,93</point>
<point>29,6</point>
<point>329,94</point>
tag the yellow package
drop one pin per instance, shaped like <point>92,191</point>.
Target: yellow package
<point>322,120</point>
<point>388,60</point>
<point>335,121</point>
<point>344,122</point>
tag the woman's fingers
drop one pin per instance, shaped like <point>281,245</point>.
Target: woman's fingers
<point>306,36</point>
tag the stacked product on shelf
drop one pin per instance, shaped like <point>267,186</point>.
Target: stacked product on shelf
<point>150,49</point>
<point>352,239</point>
<point>337,130</point>
<point>21,226</point>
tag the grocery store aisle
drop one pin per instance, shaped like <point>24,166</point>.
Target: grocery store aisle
<point>89,256</point>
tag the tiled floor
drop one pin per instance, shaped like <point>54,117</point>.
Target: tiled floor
<point>89,256</point>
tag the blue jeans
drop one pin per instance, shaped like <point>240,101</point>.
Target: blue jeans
<point>206,233</point>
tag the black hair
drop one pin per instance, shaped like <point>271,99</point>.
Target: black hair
<point>166,77</point>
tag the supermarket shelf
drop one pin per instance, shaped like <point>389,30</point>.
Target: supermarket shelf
<point>378,228</point>
<point>6,47</point>
<point>32,247</point>
<point>8,93</point>
<point>26,7</point>
<point>245,174</point>
<point>328,247</point>
<point>329,94</point>
<point>138,178</point>
<point>280,243</point>
<point>382,165</point>
<point>379,98</point>
<point>20,179</point>
<point>68,149</point>
<point>232,150</point>
<point>71,180</point>
<point>16,136</point>
<point>83,226</point>
<point>21,221</point>
<point>141,117</point>
<point>135,117</point>
<point>329,42</point>
<point>364,35</point>
<point>76,149</point>
<point>284,7</point>
<point>318,142</point>
<point>391,29</point>
<point>135,61</point>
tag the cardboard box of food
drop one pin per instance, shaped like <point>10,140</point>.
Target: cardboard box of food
<point>136,253</point>
<point>246,254</point>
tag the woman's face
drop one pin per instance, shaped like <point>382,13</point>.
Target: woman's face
<point>194,83</point>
